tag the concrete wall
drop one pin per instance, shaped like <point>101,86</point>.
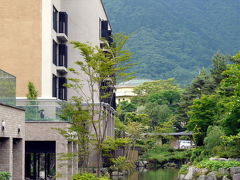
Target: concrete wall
<point>12,146</point>
<point>20,46</point>
<point>84,26</point>
<point>43,131</point>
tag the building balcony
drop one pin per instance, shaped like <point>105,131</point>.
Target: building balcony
<point>62,37</point>
<point>62,34</point>
<point>42,110</point>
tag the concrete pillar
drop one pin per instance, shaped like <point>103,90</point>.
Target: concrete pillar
<point>75,160</point>
<point>70,161</point>
<point>6,154</point>
<point>18,159</point>
<point>61,165</point>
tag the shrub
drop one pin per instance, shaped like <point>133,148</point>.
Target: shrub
<point>199,154</point>
<point>4,175</point>
<point>87,176</point>
<point>166,153</point>
<point>121,164</point>
<point>215,165</point>
<point>183,169</point>
<point>212,139</point>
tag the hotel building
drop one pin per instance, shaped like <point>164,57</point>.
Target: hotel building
<point>35,36</point>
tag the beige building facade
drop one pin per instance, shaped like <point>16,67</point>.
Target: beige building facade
<point>35,46</point>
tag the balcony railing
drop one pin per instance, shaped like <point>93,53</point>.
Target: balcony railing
<point>42,110</point>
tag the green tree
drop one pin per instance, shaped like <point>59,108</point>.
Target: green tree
<point>230,97</point>
<point>32,109</point>
<point>155,86</point>
<point>213,138</point>
<point>102,68</point>
<point>202,84</point>
<point>203,113</point>
<point>78,132</point>
<point>219,64</point>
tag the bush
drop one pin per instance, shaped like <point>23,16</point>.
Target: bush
<point>121,164</point>
<point>199,154</point>
<point>166,153</point>
<point>4,175</point>
<point>212,139</point>
<point>215,165</point>
<point>87,176</point>
<point>184,169</point>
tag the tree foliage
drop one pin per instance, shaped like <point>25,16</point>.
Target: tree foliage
<point>176,38</point>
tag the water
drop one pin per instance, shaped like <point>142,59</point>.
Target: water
<point>160,174</point>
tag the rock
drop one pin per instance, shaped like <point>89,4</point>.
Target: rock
<point>181,177</point>
<point>145,162</point>
<point>203,171</point>
<point>116,173</point>
<point>202,177</point>
<point>233,159</point>
<point>236,176</point>
<point>170,165</point>
<point>104,171</point>
<point>211,176</point>
<point>140,164</point>
<point>191,172</point>
<point>217,159</point>
<point>223,171</point>
<point>225,178</point>
<point>234,170</point>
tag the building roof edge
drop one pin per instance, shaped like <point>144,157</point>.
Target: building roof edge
<point>18,108</point>
<point>106,14</point>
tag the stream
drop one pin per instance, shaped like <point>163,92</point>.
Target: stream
<point>159,174</point>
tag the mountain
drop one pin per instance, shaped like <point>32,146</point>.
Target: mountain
<point>176,38</point>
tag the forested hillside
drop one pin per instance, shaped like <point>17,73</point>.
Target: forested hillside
<point>176,38</point>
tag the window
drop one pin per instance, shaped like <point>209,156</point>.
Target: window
<point>104,29</point>
<point>55,52</point>
<point>54,86</point>
<point>63,55</point>
<point>63,22</point>
<point>62,91</point>
<point>55,19</point>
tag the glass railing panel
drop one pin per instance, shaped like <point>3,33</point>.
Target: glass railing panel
<point>41,110</point>
<point>7,88</point>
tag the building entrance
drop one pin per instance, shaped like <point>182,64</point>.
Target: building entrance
<point>40,160</point>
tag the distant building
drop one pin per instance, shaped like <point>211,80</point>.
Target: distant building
<point>124,90</point>
<point>35,47</point>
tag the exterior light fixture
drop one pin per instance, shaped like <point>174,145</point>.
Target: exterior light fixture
<point>19,128</point>
<point>3,125</point>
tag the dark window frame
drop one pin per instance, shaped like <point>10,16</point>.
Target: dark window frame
<point>55,18</point>
<point>55,52</point>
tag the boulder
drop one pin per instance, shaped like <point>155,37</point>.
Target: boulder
<point>191,172</point>
<point>145,162</point>
<point>202,171</point>
<point>140,164</point>
<point>211,176</point>
<point>181,177</point>
<point>202,177</point>
<point>223,171</point>
<point>116,173</point>
<point>217,159</point>
<point>225,178</point>
<point>236,176</point>
<point>234,170</point>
